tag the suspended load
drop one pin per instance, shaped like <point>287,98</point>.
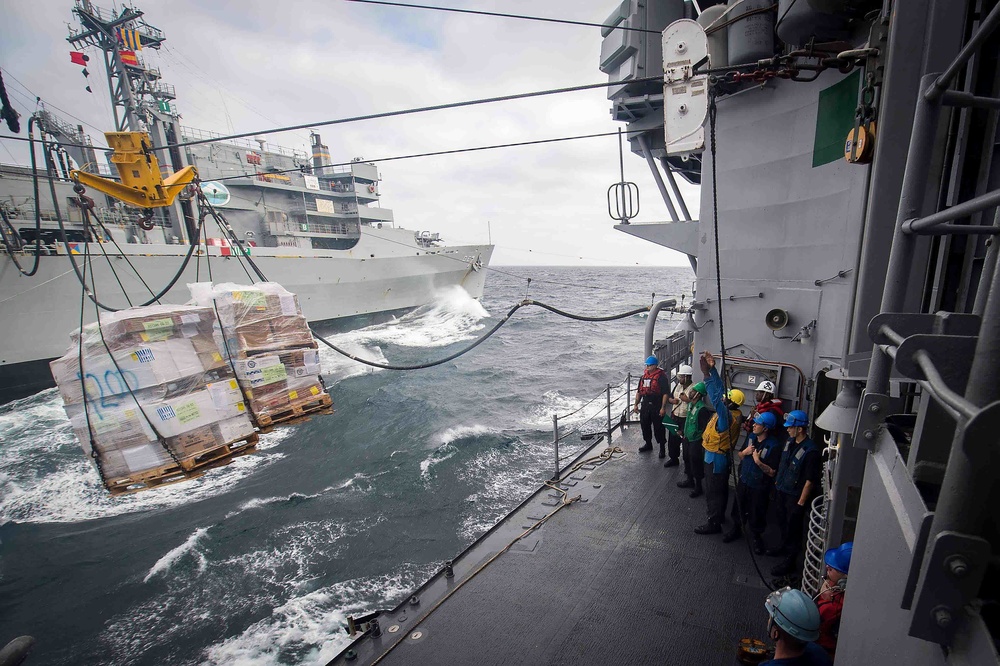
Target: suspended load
<point>270,347</point>
<point>151,398</point>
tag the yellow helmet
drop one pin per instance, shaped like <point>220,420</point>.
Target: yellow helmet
<point>736,397</point>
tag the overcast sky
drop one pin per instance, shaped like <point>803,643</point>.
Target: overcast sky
<point>251,65</point>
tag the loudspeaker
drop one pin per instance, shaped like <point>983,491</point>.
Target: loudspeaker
<point>776,319</point>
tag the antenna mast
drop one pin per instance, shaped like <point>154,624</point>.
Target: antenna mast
<point>139,100</point>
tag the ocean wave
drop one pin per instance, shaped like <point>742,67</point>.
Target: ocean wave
<point>501,483</point>
<point>189,547</point>
<point>454,316</point>
<point>458,433</point>
<point>309,628</point>
<point>46,478</point>
<point>566,407</point>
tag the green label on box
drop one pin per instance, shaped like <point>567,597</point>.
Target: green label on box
<point>273,373</point>
<point>187,412</point>
<point>158,324</point>
<point>251,298</point>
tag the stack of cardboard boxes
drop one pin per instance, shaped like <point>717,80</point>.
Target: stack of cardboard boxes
<point>262,331</point>
<point>164,401</point>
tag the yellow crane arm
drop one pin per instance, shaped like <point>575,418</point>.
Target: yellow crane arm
<point>142,185</point>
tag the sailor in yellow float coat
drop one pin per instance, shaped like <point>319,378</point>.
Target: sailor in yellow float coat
<point>721,433</point>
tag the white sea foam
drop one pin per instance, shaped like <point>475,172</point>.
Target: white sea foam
<point>554,402</point>
<point>462,432</point>
<point>454,316</point>
<point>311,626</point>
<point>46,478</point>
<point>501,483</point>
<point>189,547</point>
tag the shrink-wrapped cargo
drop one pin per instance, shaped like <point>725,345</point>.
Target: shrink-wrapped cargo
<point>261,332</point>
<point>151,394</point>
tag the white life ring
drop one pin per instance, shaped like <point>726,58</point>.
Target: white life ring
<point>371,188</point>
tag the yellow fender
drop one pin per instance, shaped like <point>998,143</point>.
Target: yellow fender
<point>142,185</point>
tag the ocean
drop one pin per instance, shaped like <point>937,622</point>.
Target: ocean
<point>261,561</point>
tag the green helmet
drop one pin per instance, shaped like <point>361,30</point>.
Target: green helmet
<point>699,388</point>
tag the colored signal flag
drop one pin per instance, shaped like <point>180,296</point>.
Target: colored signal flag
<point>78,58</point>
<point>129,58</point>
<point>129,38</point>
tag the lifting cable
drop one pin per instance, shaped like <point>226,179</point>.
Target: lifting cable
<point>712,113</point>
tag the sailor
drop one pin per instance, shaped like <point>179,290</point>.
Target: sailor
<point>697,418</point>
<point>797,480</point>
<point>766,402</point>
<point>758,460</point>
<point>679,400</point>
<point>652,395</point>
<point>721,433</point>
<point>793,624</point>
<point>831,596</point>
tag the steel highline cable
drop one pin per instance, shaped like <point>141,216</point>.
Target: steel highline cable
<point>405,112</point>
<point>437,153</point>
<point>522,17</point>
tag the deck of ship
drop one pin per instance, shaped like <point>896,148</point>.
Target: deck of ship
<point>617,579</point>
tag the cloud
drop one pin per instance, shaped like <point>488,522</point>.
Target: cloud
<point>253,65</point>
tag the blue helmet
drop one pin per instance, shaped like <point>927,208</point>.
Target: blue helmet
<point>796,417</point>
<point>795,613</point>
<point>651,360</point>
<point>840,558</point>
<point>767,419</point>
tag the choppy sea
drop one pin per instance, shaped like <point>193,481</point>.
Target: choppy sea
<point>261,561</point>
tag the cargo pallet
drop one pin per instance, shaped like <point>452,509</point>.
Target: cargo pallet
<point>226,450</point>
<point>188,469</point>
<point>295,412</point>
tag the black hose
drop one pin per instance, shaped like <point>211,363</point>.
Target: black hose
<point>478,341</point>
<point>72,260</point>
<point>38,212</point>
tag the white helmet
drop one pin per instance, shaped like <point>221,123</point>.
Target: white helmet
<point>766,386</point>
<point>685,370</point>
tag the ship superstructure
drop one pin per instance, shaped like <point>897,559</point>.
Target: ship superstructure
<point>846,252</point>
<point>313,226</point>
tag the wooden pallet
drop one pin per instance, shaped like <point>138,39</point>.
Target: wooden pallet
<point>187,469</point>
<point>153,478</point>
<point>219,453</point>
<point>295,413</point>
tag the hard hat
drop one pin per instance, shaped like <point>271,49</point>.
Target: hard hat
<point>840,558</point>
<point>736,396</point>
<point>766,386</point>
<point>651,360</point>
<point>767,419</point>
<point>794,612</point>
<point>699,388</point>
<point>685,370</point>
<point>796,417</point>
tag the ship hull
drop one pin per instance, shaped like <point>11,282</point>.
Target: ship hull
<point>37,314</point>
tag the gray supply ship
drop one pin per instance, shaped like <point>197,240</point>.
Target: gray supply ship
<point>846,252</point>
<point>311,226</point>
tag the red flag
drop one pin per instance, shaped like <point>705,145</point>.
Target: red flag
<point>129,58</point>
<point>77,58</point>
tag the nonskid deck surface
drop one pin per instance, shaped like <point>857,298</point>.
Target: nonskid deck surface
<point>618,579</point>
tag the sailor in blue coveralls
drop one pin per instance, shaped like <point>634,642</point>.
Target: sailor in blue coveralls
<point>759,458</point>
<point>796,481</point>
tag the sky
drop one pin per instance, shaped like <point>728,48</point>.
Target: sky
<point>251,66</point>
